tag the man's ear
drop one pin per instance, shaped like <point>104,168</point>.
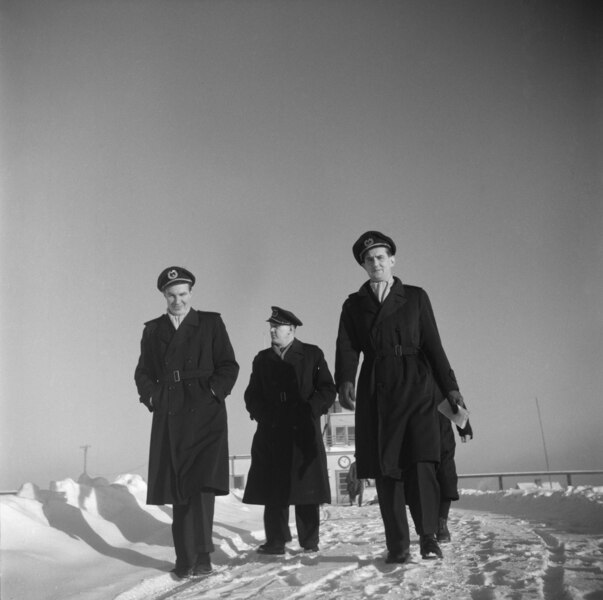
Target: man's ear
<point>393,257</point>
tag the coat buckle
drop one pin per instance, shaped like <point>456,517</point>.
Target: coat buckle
<point>398,350</point>
<point>176,376</point>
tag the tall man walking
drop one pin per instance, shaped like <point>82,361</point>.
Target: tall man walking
<point>186,369</point>
<point>397,427</point>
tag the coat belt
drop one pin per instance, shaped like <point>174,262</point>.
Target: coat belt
<point>176,376</point>
<point>397,350</point>
<point>405,350</point>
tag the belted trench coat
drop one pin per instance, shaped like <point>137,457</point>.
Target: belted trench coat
<point>287,396</point>
<point>403,365</point>
<point>188,372</point>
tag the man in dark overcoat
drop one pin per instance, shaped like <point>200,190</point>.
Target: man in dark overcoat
<point>397,429</point>
<point>289,389</point>
<point>186,369</point>
<point>354,485</point>
<point>446,472</point>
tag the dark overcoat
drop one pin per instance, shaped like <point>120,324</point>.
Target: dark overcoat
<point>403,362</point>
<point>287,396</point>
<point>446,473</point>
<point>188,372</point>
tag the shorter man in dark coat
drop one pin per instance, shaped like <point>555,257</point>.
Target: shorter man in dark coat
<point>185,371</point>
<point>289,389</point>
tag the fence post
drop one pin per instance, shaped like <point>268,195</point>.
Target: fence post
<point>569,479</point>
<point>500,483</point>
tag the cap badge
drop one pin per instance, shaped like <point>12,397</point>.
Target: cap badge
<point>172,274</point>
<point>275,313</point>
<point>368,242</point>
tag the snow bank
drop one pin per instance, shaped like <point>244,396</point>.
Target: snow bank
<point>577,509</point>
<point>91,539</point>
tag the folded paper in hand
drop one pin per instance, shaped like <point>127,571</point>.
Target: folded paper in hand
<point>459,418</point>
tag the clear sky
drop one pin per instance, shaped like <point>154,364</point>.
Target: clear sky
<point>253,141</point>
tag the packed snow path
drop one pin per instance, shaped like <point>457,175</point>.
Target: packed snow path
<point>490,557</point>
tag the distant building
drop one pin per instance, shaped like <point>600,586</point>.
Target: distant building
<point>339,435</point>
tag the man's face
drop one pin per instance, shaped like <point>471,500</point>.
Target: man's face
<point>178,298</point>
<point>281,335</point>
<point>378,264</point>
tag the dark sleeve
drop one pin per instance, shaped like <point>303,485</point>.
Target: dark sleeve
<point>144,374</point>
<point>347,348</point>
<point>431,345</point>
<point>254,398</point>
<point>324,393</point>
<point>226,368</point>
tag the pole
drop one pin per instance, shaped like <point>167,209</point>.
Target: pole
<point>85,449</point>
<point>546,454</point>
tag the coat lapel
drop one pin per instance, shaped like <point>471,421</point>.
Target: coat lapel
<point>165,330</point>
<point>392,303</point>
<point>295,354</point>
<point>295,357</point>
<point>368,301</point>
<point>184,331</point>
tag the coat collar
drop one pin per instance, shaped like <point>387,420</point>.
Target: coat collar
<point>397,289</point>
<point>394,300</point>
<point>174,338</point>
<point>296,350</point>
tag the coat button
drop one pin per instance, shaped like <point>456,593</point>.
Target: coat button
<point>171,387</point>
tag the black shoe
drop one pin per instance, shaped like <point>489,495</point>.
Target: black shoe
<point>443,533</point>
<point>397,557</point>
<point>429,546</point>
<point>310,548</point>
<point>271,548</point>
<point>202,565</point>
<point>181,572</point>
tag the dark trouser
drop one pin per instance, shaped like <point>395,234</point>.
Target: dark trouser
<point>419,489</point>
<point>444,509</point>
<point>192,528</point>
<point>307,521</point>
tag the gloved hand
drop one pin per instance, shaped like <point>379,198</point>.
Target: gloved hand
<point>466,433</point>
<point>148,403</point>
<point>455,400</point>
<point>347,395</point>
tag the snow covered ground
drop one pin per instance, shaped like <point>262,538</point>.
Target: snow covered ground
<point>94,540</point>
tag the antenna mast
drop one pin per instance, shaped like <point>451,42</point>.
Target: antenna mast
<point>546,454</point>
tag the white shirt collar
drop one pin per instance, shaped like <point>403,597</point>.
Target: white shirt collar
<point>177,319</point>
<point>381,288</point>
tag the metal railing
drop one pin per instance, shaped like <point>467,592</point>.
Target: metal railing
<point>500,476</point>
<point>332,440</point>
